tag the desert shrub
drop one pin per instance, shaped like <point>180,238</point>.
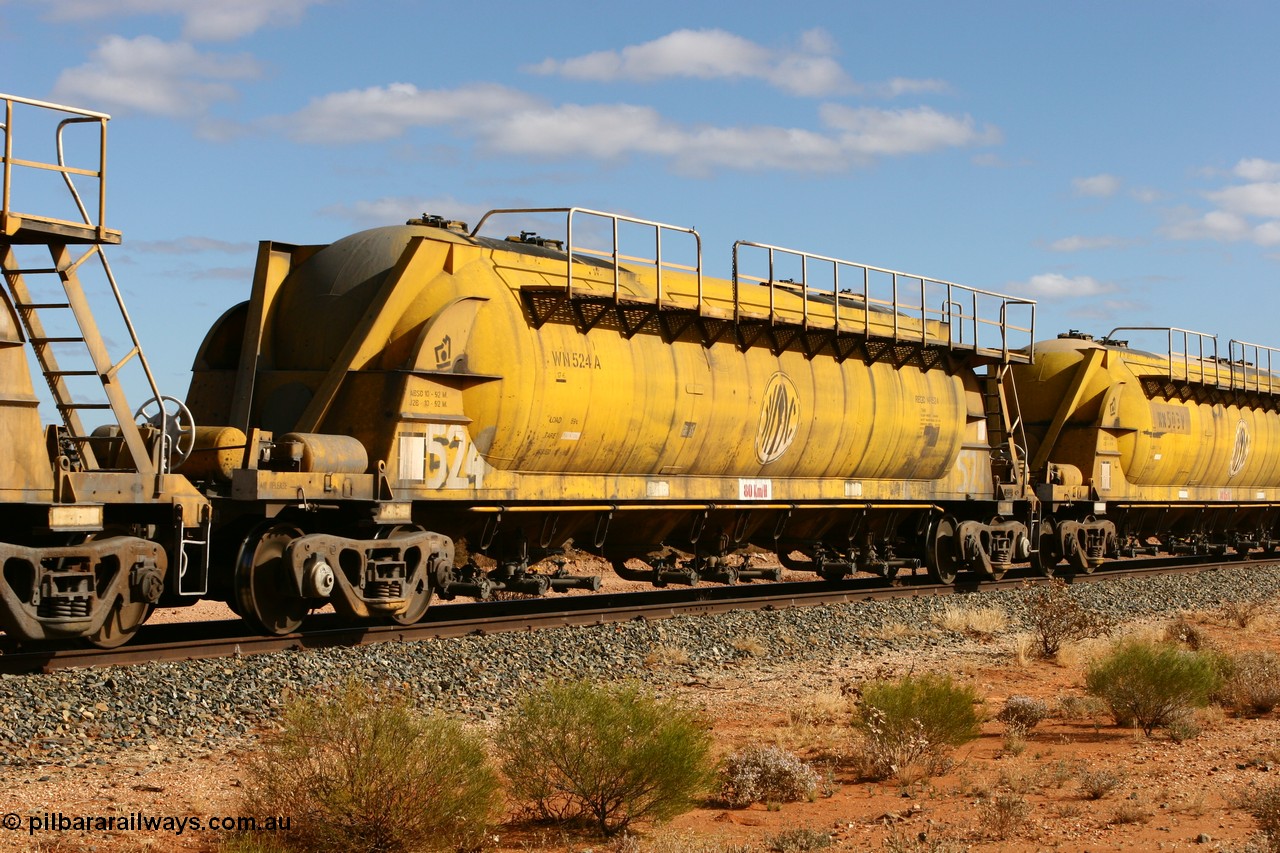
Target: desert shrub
<point>1243,614</point>
<point>799,840</point>
<point>766,774</point>
<point>360,771</point>
<point>1023,713</point>
<point>576,751</point>
<point>1129,813</point>
<point>1263,805</point>
<point>1251,682</point>
<point>1005,814</point>
<point>1096,784</point>
<point>1183,631</point>
<point>1055,617</point>
<point>1152,684</point>
<point>912,722</point>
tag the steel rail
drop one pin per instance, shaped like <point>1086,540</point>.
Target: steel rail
<point>202,640</point>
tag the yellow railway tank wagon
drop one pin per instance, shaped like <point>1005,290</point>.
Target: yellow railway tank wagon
<point>1176,445</point>
<point>523,393</point>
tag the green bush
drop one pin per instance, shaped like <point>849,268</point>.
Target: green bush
<point>608,755</point>
<point>766,774</point>
<point>358,771</point>
<point>1152,684</point>
<point>912,721</point>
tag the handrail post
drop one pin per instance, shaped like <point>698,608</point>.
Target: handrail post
<point>8,158</point>
<point>804,292</point>
<point>657,252</point>
<point>568,255</point>
<point>617,273</point>
<point>924,313</point>
<point>895,308</point>
<point>867,302</point>
<point>102,178</point>
<point>772,290</point>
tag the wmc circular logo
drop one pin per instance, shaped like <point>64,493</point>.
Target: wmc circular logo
<point>779,418</point>
<point>1241,451</point>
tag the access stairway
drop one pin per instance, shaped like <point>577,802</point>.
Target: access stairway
<point>117,531</point>
<point>70,245</point>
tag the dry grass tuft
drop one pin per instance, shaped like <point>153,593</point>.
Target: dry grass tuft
<point>661,656</point>
<point>895,631</point>
<point>975,621</point>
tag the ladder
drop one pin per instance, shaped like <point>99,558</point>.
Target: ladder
<point>1005,429</point>
<point>1004,419</point>
<point>70,244</point>
<point>67,397</point>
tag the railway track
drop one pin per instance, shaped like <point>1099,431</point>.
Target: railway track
<point>197,640</point>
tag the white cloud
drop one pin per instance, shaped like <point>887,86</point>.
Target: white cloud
<point>603,131</point>
<point>153,76</point>
<point>385,112</point>
<point>1257,169</point>
<point>905,86</point>
<point>866,131</point>
<point>1077,243</point>
<point>612,131</point>
<point>1267,234</point>
<point>1214,225</point>
<point>1052,286</point>
<point>1100,186</point>
<point>1259,199</point>
<point>1248,212</point>
<point>712,54</point>
<point>506,121</point>
<point>203,20</point>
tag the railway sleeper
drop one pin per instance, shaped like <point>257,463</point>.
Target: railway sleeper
<point>99,587</point>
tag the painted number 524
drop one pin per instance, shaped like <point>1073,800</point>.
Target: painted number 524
<point>452,460</point>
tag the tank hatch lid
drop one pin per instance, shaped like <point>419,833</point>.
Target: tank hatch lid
<point>431,220</point>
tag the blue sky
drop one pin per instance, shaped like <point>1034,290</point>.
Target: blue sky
<point>1119,162</point>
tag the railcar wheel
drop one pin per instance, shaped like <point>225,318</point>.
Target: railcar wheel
<point>265,594</point>
<point>940,550</point>
<point>1049,554</point>
<point>121,624</point>
<point>420,588</point>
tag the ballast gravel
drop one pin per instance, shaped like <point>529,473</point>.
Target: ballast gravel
<point>77,717</point>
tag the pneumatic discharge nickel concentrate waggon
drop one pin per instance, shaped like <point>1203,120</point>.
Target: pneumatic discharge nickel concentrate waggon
<point>420,411</point>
